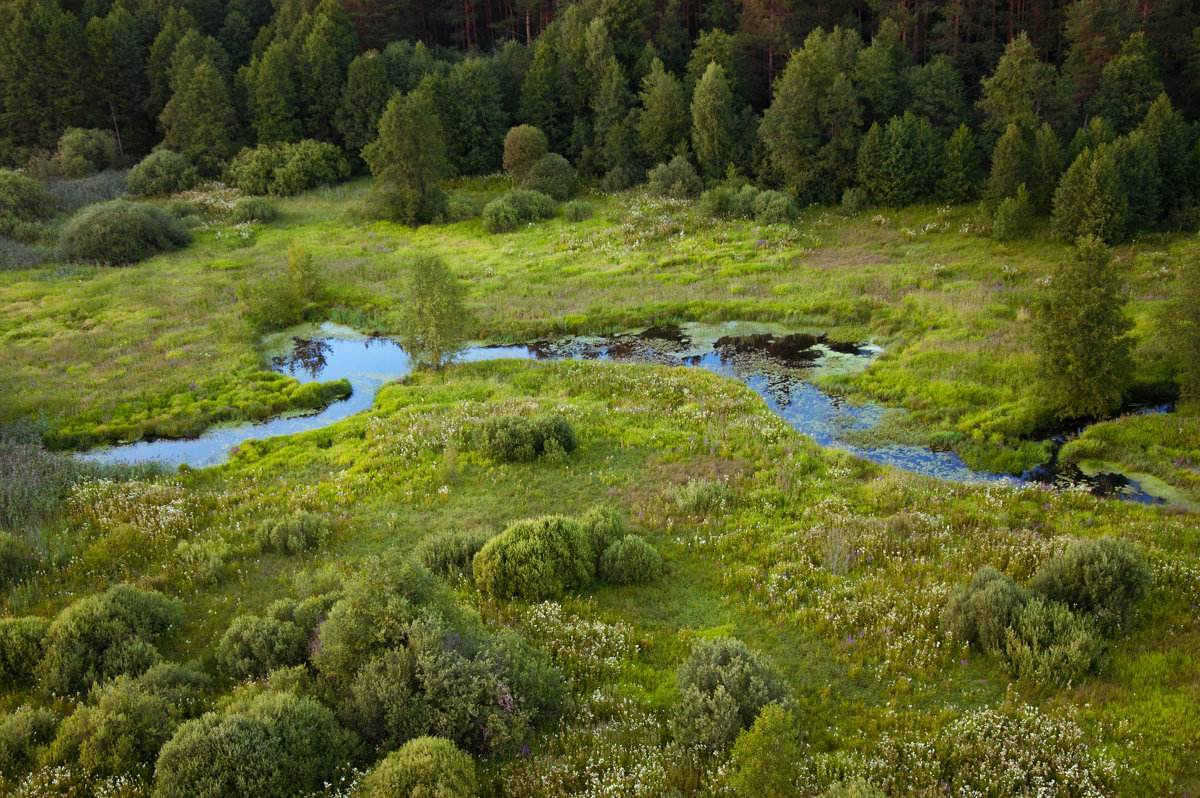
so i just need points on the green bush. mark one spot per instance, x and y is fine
(306, 614)
(103, 636)
(524, 146)
(83, 152)
(252, 646)
(160, 173)
(17, 559)
(120, 232)
(22, 645)
(1050, 644)
(1104, 578)
(23, 204)
(294, 533)
(460, 208)
(551, 175)
(629, 561)
(22, 734)
(603, 527)
(427, 767)
(981, 612)
(252, 209)
(283, 169)
(619, 178)
(181, 209)
(774, 207)
(578, 211)
(714, 202)
(288, 296)
(853, 788)
(536, 559)
(499, 217)
(1013, 217)
(722, 686)
(676, 179)
(530, 205)
(277, 746)
(451, 553)
(514, 439)
(768, 758)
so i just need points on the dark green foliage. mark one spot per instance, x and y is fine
(17, 559)
(676, 179)
(960, 167)
(1103, 578)
(981, 612)
(578, 211)
(879, 71)
(1082, 335)
(23, 203)
(514, 439)
(1012, 165)
(252, 646)
(425, 767)
(83, 152)
(1048, 643)
(160, 173)
(1128, 86)
(551, 175)
(630, 561)
(1091, 200)
(252, 209)
(272, 98)
(603, 527)
(473, 119)
(103, 636)
(460, 208)
(285, 169)
(364, 97)
(524, 146)
(723, 686)
(1023, 90)
(519, 206)
(937, 93)
(277, 746)
(1170, 136)
(1013, 216)
(433, 320)
(448, 554)
(713, 120)
(748, 202)
(499, 216)
(125, 722)
(199, 120)
(909, 169)
(664, 122)
(22, 644)
(22, 734)
(1140, 175)
(120, 232)
(1046, 170)
(536, 559)
(294, 533)
(408, 160)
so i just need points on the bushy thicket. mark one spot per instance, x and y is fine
(284, 169)
(515, 439)
(551, 175)
(22, 645)
(578, 211)
(294, 533)
(252, 209)
(254, 646)
(82, 152)
(23, 734)
(524, 145)
(1105, 578)
(723, 686)
(452, 552)
(749, 202)
(676, 179)
(536, 559)
(103, 636)
(516, 207)
(427, 767)
(603, 527)
(630, 560)
(23, 203)
(287, 296)
(119, 232)
(460, 208)
(160, 173)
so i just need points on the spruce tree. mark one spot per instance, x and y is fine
(871, 160)
(1129, 84)
(1137, 166)
(176, 23)
(271, 95)
(879, 74)
(1022, 90)
(473, 119)
(713, 119)
(199, 119)
(1046, 168)
(1090, 200)
(614, 134)
(936, 91)
(364, 97)
(1012, 165)
(408, 160)
(1169, 135)
(541, 101)
(663, 123)
(910, 168)
(960, 167)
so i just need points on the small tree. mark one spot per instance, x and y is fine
(1082, 340)
(523, 147)
(713, 121)
(960, 167)
(433, 320)
(408, 160)
(1091, 200)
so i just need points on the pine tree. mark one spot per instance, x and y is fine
(713, 119)
(1012, 165)
(176, 23)
(1082, 338)
(663, 123)
(272, 97)
(614, 134)
(365, 96)
(910, 165)
(879, 74)
(1090, 200)
(1046, 168)
(199, 119)
(408, 160)
(1128, 86)
(118, 59)
(1168, 134)
(960, 167)
(1023, 90)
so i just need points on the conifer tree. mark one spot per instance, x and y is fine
(872, 155)
(1168, 134)
(1012, 165)
(614, 133)
(1129, 84)
(960, 167)
(365, 96)
(910, 165)
(663, 123)
(541, 101)
(271, 95)
(713, 119)
(1090, 200)
(879, 74)
(1137, 166)
(199, 119)
(936, 91)
(176, 23)
(408, 160)
(473, 119)
(1046, 168)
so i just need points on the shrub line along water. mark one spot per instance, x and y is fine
(778, 364)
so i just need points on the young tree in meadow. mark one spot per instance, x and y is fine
(713, 120)
(960, 167)
(408, 160)
(1090, 200)
(1012, 165)
(1082, 335)
(663, 123)
(433, 319)
(1046, 168)
(199, 119)
(364, 97)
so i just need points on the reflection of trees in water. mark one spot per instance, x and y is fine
(308, 356)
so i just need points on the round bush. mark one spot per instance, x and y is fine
(287, 168)
(121, 232)
(499, 217)
(577, 211)
(530, 205)
(160, 173)
(514, 439)
(981, 612)
(617, 179)
(22, 644)
(84, 152)
(427, 767)
(293, 534)
(714, 202)
(551, 175)
(21, 734)
(252, 209)
(630, 560)
(535, 559)
(22, 201)
(524, 146)
(676, 179)
(1104, 578)
(774, 207)
(252, 647)
(603, 527)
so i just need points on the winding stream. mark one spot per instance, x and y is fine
(776, 363)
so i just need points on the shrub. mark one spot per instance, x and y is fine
(535, 559)
(578, 211)
(774, 207)
(499, 217)
(22, 733)
(524, 146)
(603, 527)
(22, 644)
(630, 560)
(160, 173)
(283, 169)
(120, 232)
(767, 759)
(286, 297)
(451, 553)
(105, 635)
(293, 534)
(252, 646)
(427, 767)
(1104, 578)
(1048, 643)
(723, 686)
(74, 193)
(306, 614)
(981, 613)
(551, 175)
(854, 788)
(530, 205)
(84, 152)
(854, 200)
(714, 202)
(181, 209)
(252, 209)
(17, 559)
(513, 439)
(277, 746)
(460, 208)
(617, 179)
(16, 255)
(677, 179)
(23, 202)
(1013, 216)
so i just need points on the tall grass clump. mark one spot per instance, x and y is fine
(120, 232)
